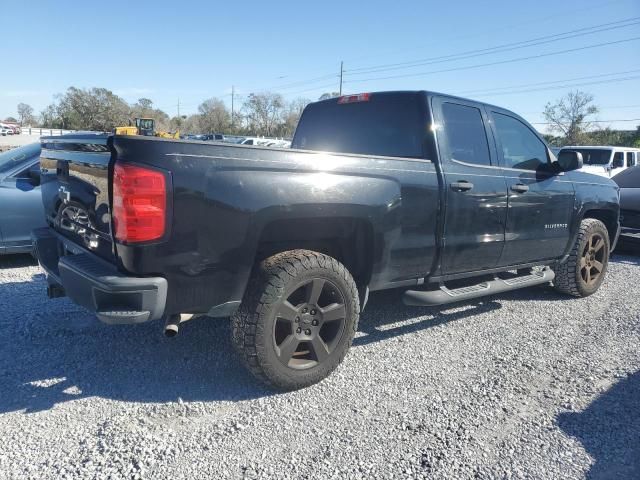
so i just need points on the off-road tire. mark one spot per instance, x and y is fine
(570, 275)
(274, 282)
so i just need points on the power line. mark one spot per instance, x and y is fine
(593, 121)
(501, 89)
(557, 87)
(502, 27)
(500, 62)
(459, 56)
(497, 49)
(314, 89)
(300, 83)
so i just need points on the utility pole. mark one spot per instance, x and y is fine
(232, 95)
(341, 71)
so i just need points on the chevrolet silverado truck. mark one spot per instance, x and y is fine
(447, 198)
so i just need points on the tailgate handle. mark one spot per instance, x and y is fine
(520, 188)
(461, 186)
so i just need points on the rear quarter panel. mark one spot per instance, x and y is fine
(225, 196)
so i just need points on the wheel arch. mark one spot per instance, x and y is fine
(350, 240)
(608, 217)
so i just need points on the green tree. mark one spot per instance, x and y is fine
(144, 108)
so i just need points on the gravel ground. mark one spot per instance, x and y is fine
(528, 384)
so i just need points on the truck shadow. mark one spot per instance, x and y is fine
(608, 429)
(52, 351)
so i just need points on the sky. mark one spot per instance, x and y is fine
(518, 55)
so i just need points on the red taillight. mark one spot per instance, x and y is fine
(360, 97)
(139, 203)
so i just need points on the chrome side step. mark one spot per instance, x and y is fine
(445, 295)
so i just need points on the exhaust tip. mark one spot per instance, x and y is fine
(171, 330)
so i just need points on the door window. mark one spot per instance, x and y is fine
(618, 159)
(630, 160)
(465, 134)
(521, 148)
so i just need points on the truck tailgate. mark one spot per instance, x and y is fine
(75, 189)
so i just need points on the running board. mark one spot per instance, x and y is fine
(444, 295)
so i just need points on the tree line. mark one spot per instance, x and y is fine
(570, 119)
(99, 109)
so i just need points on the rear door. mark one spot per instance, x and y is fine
(475, 189)
(541, 203)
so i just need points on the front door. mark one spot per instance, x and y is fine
(476, 193)
(541, 202)
(22, 210)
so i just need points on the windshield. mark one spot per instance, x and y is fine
(385, 124)
(593, 156)
(16, 156)
(145, 123)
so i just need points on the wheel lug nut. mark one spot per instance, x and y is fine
(304, 310)
(314, 322)
(313, 311)
(307, 332)
(297, 319)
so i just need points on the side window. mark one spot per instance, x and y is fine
(630, 161)
(465, 134)
(521, 148)
(618, 159)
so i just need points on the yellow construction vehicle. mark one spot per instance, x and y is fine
(146, 127)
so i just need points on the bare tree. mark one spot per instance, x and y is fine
(292, 116)
(25, 114)
(263, 112)
(569, 115)
(328, 95)
(213, 116)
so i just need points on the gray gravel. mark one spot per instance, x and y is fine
(529, 384)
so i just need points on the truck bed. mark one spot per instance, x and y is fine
(228, 201)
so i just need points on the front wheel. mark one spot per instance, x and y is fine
(583, 272)
(297, 319)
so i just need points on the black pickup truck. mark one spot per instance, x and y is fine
(447, 198)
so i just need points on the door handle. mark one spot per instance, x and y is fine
(461, 186)
(520, 188)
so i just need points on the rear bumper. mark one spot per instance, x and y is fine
(97, 285)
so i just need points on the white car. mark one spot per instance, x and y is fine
(4, 131)
(606, 161)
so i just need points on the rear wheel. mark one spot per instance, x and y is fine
(582, 274)
(297, 320)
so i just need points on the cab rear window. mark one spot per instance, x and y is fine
(391, 125)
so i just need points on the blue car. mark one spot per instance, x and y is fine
(20, 202)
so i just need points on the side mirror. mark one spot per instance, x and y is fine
(569, 160)
(618, 162)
